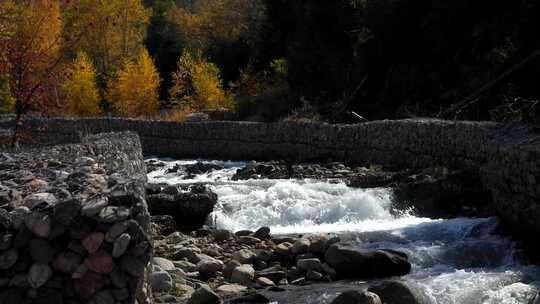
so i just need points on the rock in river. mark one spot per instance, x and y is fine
(350, 262)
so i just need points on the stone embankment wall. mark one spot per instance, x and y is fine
(505, 156)
(74, 223)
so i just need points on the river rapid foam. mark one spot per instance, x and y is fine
(455, 261)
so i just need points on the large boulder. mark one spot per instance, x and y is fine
(399, 292)
(350, 262)
(357, 297)
(189, 209)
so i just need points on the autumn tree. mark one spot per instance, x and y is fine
(80, 90)
(197, 84)
(112, 31)
(135, 89)
(226, 31)
(30, 43)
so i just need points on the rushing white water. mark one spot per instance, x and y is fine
(455, 261)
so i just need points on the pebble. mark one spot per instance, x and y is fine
(231, 289)
(33, 200)
(204, 295)
(161, 281)
(243, 274)
(244, 256)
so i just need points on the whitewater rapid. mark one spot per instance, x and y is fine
(455, 261)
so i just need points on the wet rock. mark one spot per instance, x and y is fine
(243, 233)
(39, 274)
(221, 235)
(230, 289)
(357, 297)
(244, 256)
(186, 266)
(248, 240)
(161, 281)
(243, 274)
(204, 295)
(164, 264)
(399, 292)
(254, 298)
(312, 264)
(300, 246)
(189, 253)
(208, 266)
(189, 209)
(200, 168)
(313, 275)
(317, 244)
(264, 282)
(262, 233)
(231, 265)
(165, 224)
(132, 265)
(284, 248)
(350, 262)
(275, 274)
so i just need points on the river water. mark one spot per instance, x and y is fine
(455, 261)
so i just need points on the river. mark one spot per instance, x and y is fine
(455, 261)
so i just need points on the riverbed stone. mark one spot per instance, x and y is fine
(300, 246)
(243, 274)
(399, 292)
(312, 264)
(230, 289)
(204, 295)
(244, 256)
(357, 297)
(262, 233)
(208, 266)
(161, 281)
(350, 262)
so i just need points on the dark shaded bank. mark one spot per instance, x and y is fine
(504, 156)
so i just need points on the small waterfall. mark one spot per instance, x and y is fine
(455, 261)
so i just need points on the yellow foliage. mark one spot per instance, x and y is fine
(109, 31)
(197, 85)
(208, 22)
(30, 42)
(80, 90)
(134, 91)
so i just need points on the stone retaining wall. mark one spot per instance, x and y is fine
(74, 223)
(505, 156)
